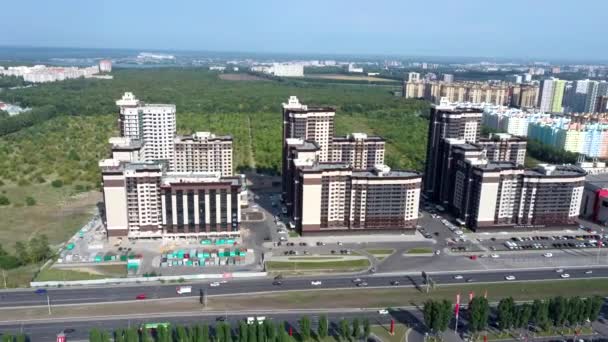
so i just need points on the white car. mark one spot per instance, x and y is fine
(565, 275)
(214, 284)
(589, 272)
(458, 277)
(548, 255)
(510, 277)
(559, 270)
(459, 232)
(383, 312)
(494, 256)
(316, 283)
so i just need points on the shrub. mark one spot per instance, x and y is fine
(30, 201)
(57, 183)
(4, 200)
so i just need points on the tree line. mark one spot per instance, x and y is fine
(266, 331)
(36, 250)
(541, 313)
(550, 154)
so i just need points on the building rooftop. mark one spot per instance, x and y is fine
(495, 166)
(358, 136)
(113, 165)
(383, 171)
(122, 143)
(501, 136)
(172, 178)
(597, 182)
(302, 145)
(201, 136)
(556, 170)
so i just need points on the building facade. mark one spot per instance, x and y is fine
(332, 198)
(203, 152)
(358, 150)
(144, 201)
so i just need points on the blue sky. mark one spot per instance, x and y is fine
(564, 29)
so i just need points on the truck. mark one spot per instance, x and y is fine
(184, 289)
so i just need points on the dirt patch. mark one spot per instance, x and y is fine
(241, 77)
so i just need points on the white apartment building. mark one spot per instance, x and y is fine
(413, 77)
(203, 152)
(154, 124)
(358, 150)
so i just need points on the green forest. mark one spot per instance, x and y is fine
(66, 133)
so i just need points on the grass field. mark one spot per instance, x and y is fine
(420, 250)
(350, 78)
(383, 333)
(82, 273)
(58, 212)
(346, 265)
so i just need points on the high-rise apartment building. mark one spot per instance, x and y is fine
(595, 90)
(546, 95)
(153, 124)
(347, 189)
(306, 123)
(501, 195)
(413, 77)
(504, 147)
(332, 198)
(475, 92)
(524, 96)
(203, 151)
(447, 122)
(358, 150)
(483, 183)
(448, 78)
(552, 95)
(143, 200)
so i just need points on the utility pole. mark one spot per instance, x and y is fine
(4, 276)
(48, 302)
(599, 247)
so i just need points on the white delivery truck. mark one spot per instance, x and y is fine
(184, 289)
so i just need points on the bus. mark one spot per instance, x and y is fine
(155, 326)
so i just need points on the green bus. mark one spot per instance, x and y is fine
(155, 325)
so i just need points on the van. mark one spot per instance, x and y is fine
(250, 320)
(184, 289)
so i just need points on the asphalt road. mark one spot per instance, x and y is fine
(83, 295)
(48, 331)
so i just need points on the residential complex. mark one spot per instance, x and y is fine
(281, 69)
(483, 183)
(474, 92)
(44, 74)
(340, 184)
(159, 185)
(595, 198)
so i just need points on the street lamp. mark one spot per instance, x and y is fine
(48, 299)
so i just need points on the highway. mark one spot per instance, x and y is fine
(116, 293)
(79, 331)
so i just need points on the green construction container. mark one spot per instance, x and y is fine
(98, 258)
(131, 256)
(205, 242)
(200, 255)
(132, 266)
(70, 246)
(206, 255)
(219, 242)
(81, 234)
(107, 258)
(242, 254)
(174, 263)
(180, 254)
(123, 258)
(232, 253)
(189, 263)
(230, 242)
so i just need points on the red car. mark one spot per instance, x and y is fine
(141, 296)
(473, 257)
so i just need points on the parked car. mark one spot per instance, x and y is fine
(316, 283)
(510, 277)
(141, 296)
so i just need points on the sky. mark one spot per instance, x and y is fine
(564, 29)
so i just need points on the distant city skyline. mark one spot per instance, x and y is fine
(469, 28)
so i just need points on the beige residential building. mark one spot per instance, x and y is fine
(144, 201)
(358, 150)
(332, 198)
(203, 152)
